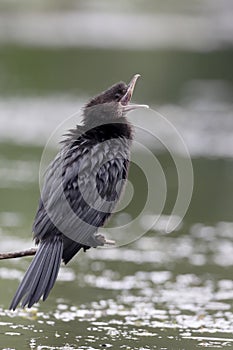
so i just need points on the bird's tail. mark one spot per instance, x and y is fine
(41, 274)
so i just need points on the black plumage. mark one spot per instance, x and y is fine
(82, 187)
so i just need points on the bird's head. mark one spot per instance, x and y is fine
(113, 103)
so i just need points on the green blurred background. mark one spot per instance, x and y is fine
(163, 291)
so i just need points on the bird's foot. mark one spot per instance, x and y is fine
(100, 240)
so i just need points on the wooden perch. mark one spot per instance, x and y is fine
(20, 254)
(32, 251)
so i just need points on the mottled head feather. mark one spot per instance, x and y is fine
(113, 94)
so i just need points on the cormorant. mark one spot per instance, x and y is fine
(81, 188)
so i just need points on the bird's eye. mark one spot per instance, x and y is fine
(117, 95)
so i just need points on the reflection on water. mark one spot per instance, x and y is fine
(109, 299)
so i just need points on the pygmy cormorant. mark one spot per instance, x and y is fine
(81, 188)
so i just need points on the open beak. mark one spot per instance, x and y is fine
(125, 101)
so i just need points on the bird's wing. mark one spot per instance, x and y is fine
(81, 189)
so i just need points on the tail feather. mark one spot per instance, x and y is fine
(26, 280)
(45, 278)
(54, 273)
(36, 286)
(41, 274)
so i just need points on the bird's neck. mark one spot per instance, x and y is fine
(114, 128)
(96, 132)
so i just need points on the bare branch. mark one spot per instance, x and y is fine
(32, 251)
(109, 242)
(20, 254)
